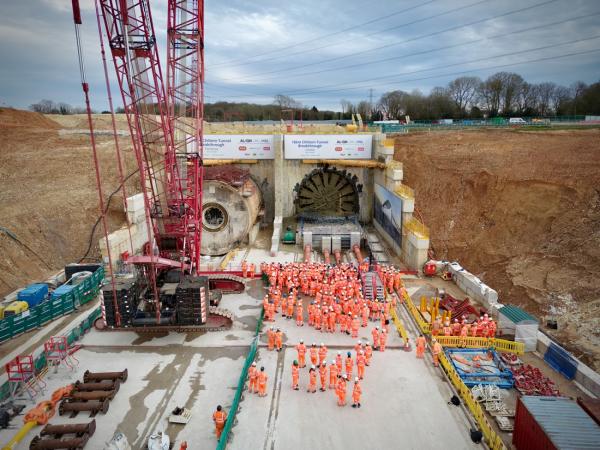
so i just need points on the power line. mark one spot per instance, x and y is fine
(549, 58)
(393, 44)
(446, 47)
(318, 38)
(545, 47)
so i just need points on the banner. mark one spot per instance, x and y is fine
(238, 146)
(328, 146)
(388, 212)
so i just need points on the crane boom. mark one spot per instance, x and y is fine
(185, 103)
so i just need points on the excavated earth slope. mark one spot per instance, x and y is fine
(48, 195)
(521, 210)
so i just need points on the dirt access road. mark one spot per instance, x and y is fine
(521, 210)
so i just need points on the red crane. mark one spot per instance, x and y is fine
(165, 125)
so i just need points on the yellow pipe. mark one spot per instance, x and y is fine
(20, 435)
(347, 162)
(223, 162)
(227, 258)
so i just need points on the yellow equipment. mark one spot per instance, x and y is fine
(15, 308)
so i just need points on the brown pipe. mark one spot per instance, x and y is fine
(347, 162)
(338, 257)
(326, 257)
(71, 428)
(357, 253)
(71, 443)
(307, 252)
(94, 406)
(100, 386)
(102, 376)
(93, 395)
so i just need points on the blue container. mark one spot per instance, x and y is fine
(34, 294)
(61, 290)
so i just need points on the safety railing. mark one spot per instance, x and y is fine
(399, 326)
(40, 361)
(502, 345)
(416, 227)
(492, 439)
(424, 326)
(222, 443)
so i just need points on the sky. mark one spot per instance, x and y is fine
(316, 51)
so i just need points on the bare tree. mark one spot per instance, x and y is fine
(577, 89)
(364, 109)
(286, 102)
(543, 94)
(561, 97)
(462, 92)
(511, 84)
(490, 94)
(393, 104)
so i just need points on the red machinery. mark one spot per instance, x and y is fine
(165, 125)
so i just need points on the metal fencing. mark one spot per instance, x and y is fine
(222, 444)
(51, 309)
(40, 362)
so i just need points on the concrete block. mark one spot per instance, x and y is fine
(394, 173)
(307, 238)
(326, 243)
(336, 243)
(418, 242)
(354, 238)
(278, 220)
(136, 216)
(135, 202)
(392, 185)
(408, 205)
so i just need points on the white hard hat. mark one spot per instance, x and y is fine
(339, 353)
(254, 363)
(313, 367)
(322, 345)
(332, 361)
(358, 342)
(356, 380)
(301, 341)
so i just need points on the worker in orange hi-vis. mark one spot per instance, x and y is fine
(435, 351)
(253, 378)
(368, 353)
(360, 364)
(340, 390)
(456, 328)
(436, 326)
(278, 340)
(382, 340)
(375, 335)
(447, 329)
(219, 418)
(333, 373)
(355, 326)
(295, 376)
(331, 320)
(317, 317)
(244, 268)
(464, 332)
(356, 391)
(314, 356)
(252, 270)
(421, 342)
(301, 348)
(323, 375)
(271, 338)
(349, 365)
(338, 362)
(364, 315)
(492, 329)
(284, 304)
(358, 346)
(322, 353)
(312, 380)
(262, 383)
(299, 313)
(271, 315)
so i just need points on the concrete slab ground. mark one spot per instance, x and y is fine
(404, 399)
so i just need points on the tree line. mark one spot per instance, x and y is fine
(501, 94)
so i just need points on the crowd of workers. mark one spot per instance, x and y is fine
(485, 326)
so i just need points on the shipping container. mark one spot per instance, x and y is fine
(34, 294)
(61, 290)
(553, 423)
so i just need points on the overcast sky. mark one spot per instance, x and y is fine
(317, 51)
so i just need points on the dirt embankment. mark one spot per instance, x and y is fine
(48, 195)
(522, 211)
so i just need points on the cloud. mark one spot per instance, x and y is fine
(255, 50)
